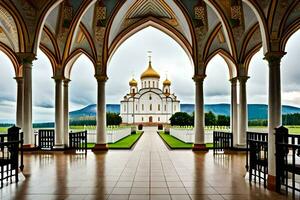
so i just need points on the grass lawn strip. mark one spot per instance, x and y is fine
(173, 142)
(125, 143)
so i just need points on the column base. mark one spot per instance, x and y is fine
(100, 147)
(200, 147)
(29, 147)
(271, 182)
(59, 147)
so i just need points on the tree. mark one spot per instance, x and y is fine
(223, 120)
(113, 119)
(182, 119)
(210, 119)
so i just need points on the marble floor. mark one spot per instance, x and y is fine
(149, 171)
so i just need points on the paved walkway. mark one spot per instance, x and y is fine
(150, 171)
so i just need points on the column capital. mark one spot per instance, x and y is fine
(199, 78)
(19, 79)
(101, 78)
(58, 78)
(274, 57)
(243, 79)
(26, 58)
(66, 82)
(233, 80)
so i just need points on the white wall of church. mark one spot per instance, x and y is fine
(150, 83)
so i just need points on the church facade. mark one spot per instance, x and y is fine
(150, 104)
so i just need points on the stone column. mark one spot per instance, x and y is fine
(199, 114)
(242, 111)
(19, 110)
(101, 114)
(234, 111)
(59, 137)
(274, 115)
(26, 60)
(66, 110)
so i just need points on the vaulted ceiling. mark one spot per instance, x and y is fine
(235, 29)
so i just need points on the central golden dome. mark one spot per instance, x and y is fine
(150, 72)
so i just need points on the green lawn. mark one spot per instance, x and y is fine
(125, 143)
(3, 129)
(173, 142)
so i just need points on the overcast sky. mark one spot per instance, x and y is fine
(168, 58)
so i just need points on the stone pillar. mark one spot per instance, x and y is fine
(59, 137)
(101, 115)
(234, 111)
(26, 60)
(199, 114)
(274, 115)
(242, 111)
(19, 110)
(66, 110)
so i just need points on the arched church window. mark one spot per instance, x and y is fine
(136, 107)
(153, 84)
(142, 119)
(133, 90)
(158, 107)
(157, 84)
(158, 119)
(165, 107)
(142, 85)
(124, 108)
(150, 107)
(149, 84)
(142, 107)
(150, 97)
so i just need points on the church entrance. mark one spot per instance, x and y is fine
(150, 119)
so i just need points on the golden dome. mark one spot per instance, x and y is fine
(167, 82)
(150, 72)
(133, 82)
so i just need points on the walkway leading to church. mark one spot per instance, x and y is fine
(150, 171)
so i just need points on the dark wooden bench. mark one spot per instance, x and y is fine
(78, 141)
(46, 139)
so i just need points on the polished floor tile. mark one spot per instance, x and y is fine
(149, 171)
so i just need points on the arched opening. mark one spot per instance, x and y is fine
(257, 94)
(217, 97)
(82, 94)
(168, 59)
(43, 90)
(8, 88)
(290, 84)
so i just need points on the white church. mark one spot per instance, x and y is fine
(150, 104)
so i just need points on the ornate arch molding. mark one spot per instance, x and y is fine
(13, 58)
(107, 49)
(210, 40)
(226, 27)
(246, 41)
(146, 22)
(232, 67)
(262, 24)
(69, 62)
(250, 55)
(90, 40)
(42, 19)
(293, 28)
(23, 34)
(54, 42)
(50, 56)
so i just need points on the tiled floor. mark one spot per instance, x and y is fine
(150, 171)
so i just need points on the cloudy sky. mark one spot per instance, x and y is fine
(130, 60)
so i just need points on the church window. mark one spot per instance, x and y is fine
(150, 107)
(158, 118)
(153, 84)
(158, 107)
(136, 107)
(174, 107)
(157, 84)
(142, 85)
(124, 108)
(142, 119)
(133, 90)
(150, 97)
(142, 107)
(165, 107)
(149, 84)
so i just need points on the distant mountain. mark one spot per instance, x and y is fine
(255, 111)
